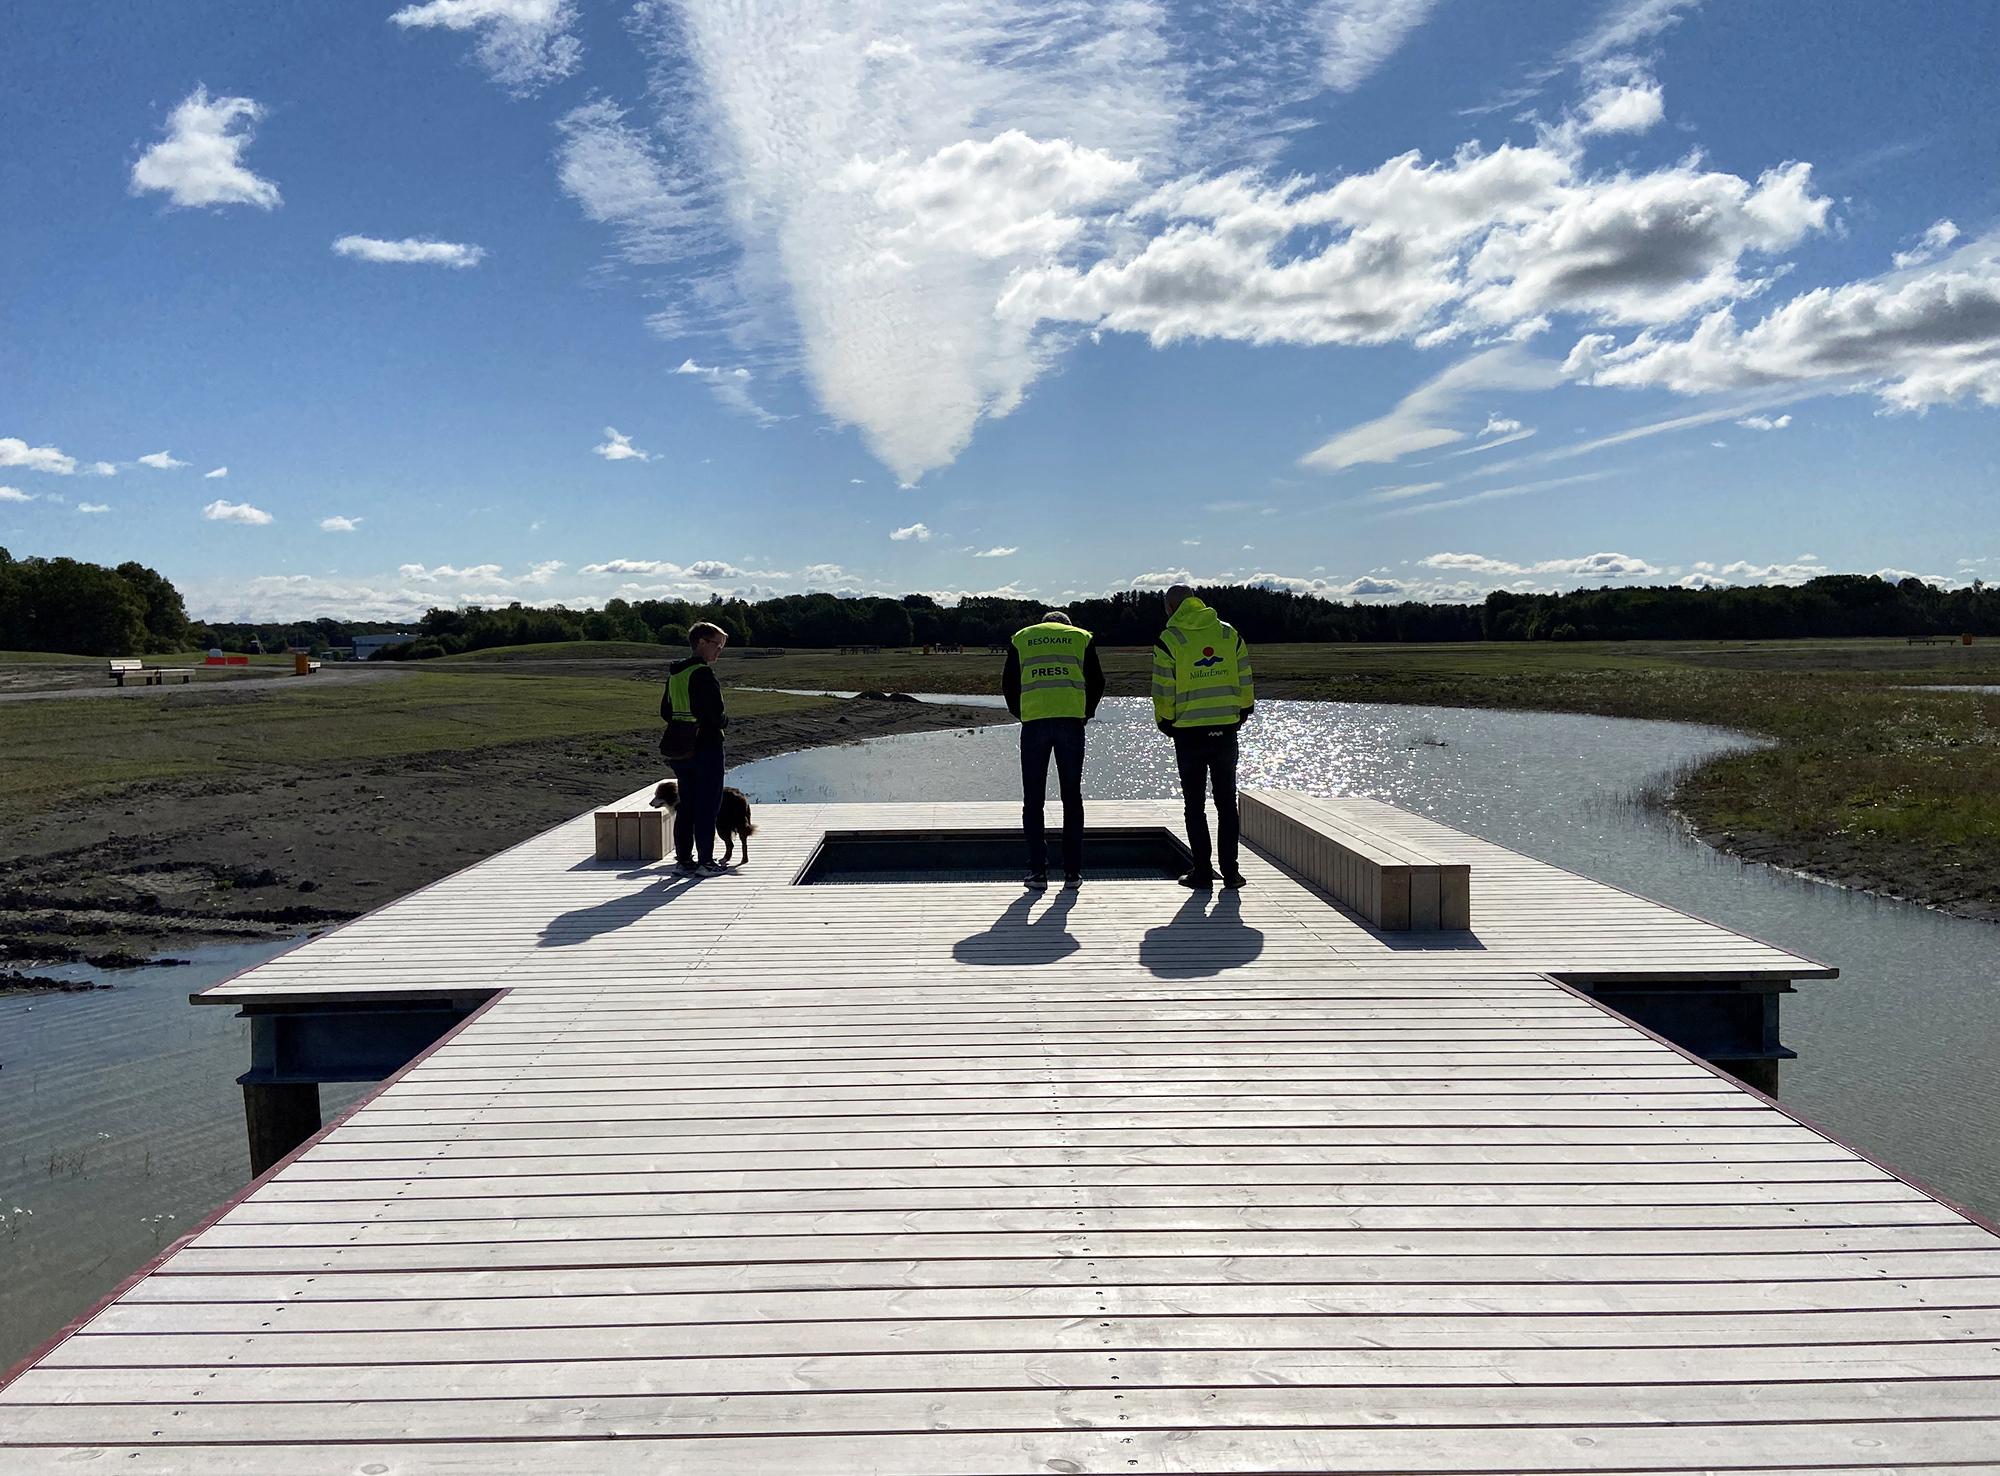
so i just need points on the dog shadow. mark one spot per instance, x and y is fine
(609, 916)
(1016, 938)
(1200, 942)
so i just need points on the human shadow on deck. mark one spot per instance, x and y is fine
(586, 923)
(1199, 942)
(1016, 939)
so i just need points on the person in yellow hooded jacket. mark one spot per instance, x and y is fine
(1202, 694)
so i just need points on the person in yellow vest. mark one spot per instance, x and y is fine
(696, 721)
(1201, 695)
(1053, 682)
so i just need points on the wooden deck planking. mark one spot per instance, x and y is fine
(750, 1177)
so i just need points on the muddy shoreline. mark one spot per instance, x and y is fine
(174, 864)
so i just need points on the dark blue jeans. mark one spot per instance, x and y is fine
(701, 797)
(1062, 737)
(1206, 758)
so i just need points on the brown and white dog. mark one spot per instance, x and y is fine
(732, 821)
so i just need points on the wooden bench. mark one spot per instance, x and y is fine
(1392, 883)
(120, 667)
(156, 676)
(634, 836)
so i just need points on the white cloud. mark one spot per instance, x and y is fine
(1361, 35)
(200, 161)
(1499, 425)
(412, 251)
(1398, 494)
(996, 553)
(15, 494)
(220, 471)
(339, 525)
(1918, 339)
(915, 531)
(100, 469)
(1589, 566)
(619, 448)
(619, 178)
(523, 44)
(16, 452)
(1428, 251)
(236, 512)
(1798, 571)
(161, 461)
(93, 507)
(732, 387)
(1940, 235)
(1415, 424)
(1764, 422)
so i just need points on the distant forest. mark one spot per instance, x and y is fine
(87, 609)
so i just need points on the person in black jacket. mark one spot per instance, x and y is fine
(696, 720)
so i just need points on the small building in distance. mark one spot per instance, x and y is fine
(367, 646)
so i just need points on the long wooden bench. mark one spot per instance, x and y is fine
(120, 667)
(1395, 885)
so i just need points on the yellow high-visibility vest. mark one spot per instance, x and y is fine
(1201, 670)
(1051, 670)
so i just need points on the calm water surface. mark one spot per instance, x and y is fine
(1898, 1055)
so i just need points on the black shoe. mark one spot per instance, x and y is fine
(1201, 879)
(1233, 881)
(1036, 881)
(1072, 881)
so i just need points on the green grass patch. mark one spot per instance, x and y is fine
(57, 752)
(572, 651)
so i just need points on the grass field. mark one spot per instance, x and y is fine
(57, 752)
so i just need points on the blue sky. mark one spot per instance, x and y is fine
(354, 309)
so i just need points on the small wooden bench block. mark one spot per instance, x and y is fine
(1395, 885)
(631, 836)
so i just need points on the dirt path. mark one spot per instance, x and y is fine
(196, 861)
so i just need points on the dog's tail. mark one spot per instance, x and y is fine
(749, 829)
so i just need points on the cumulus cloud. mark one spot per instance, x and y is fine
(16, 452)
(1589, 566)
(1921, 338)
(1764, 422)
(236, 512)
(220, 471)
(732, 387)
(160, 461)
(93, 507)
(996, 553)
(1361, 35)
(617, 447)
(1708, 576)
(916, 531)
(411, 251)
(15, 494)
(523, 44)
(1937, 238)
(200, 161)
(339, 525)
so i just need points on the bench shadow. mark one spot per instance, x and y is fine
(609, 916)
(1015, 938)
(1201, 941)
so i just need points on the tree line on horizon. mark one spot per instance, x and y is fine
(66, 605)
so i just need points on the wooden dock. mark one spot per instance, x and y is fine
(943, 1180)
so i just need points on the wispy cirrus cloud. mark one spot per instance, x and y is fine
(523, 44)
(200, 161)
(732, 387)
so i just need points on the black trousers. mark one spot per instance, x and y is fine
(1062, 737)
(1207, 759)
(701, 798)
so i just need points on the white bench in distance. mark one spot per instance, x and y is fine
(120, 667)
(1392, 883)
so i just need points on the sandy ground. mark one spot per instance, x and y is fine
(202, 861)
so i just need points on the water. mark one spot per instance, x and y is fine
(1897, 1056)
(121, 1126)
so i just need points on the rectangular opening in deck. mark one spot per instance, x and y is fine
(902, 857)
